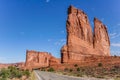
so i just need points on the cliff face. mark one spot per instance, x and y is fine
(80, 39)
(36, 59)
(101, 38)
(78, 25)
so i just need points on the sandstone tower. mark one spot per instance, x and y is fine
(81, 41)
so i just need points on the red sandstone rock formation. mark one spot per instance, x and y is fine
(78, 25)
(80, 40)
(92, 61)
(101, 38)
(39, 59)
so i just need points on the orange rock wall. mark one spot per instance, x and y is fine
(81, 41)
(36, 59)
(91, 61)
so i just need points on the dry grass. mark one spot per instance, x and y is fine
(32, 76)
(97, 72)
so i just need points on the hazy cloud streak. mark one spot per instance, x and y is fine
(114, 35)
(115, 44)
(47, 1)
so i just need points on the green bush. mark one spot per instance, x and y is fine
(12, 72)
(79, 75)
(71, 70)
(4, 73)
(51, 70)
(26, 72)
(66, 69)
(75, 65)
(42, 69)
(3, 79)
(78, 69)
(19, 75)
(99, 64)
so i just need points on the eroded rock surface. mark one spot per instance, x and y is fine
(81, 41)
(101, 38)
(36, 59)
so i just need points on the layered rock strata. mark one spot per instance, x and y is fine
(80, 39)
(36, 60)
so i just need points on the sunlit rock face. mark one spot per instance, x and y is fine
(101, 38)
(80, 39)
(36, 59)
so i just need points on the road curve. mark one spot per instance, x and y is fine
(53, 76)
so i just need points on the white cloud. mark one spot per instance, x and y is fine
(62, 31)
(114, 35)
(102, 19)
(118, 24)
(63, 40)
(49, 40)
(47, 1)
(60, 42)
(115, 44)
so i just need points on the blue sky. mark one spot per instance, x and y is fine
(41, 25)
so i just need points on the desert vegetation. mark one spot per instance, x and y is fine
(12, 72)
(98, 72)
(51, 69)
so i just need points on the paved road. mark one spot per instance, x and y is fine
(53, 76)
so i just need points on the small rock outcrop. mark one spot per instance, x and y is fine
(80, 39)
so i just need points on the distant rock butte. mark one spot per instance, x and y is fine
(6, 65)
(36, 60)
(80, 39)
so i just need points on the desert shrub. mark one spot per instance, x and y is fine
(78, 69)
(82, 69)
(3, 78)
(12, 72)
(66, 69)
(115, 56)
(42, 69)
(18, 74)
(51, 70)
(26, 72)
(4, 73)
(75, 65)
(99, 64)
(117, 67)
(71, 70)
(79, 75)
(113, 69)
(100, 76)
